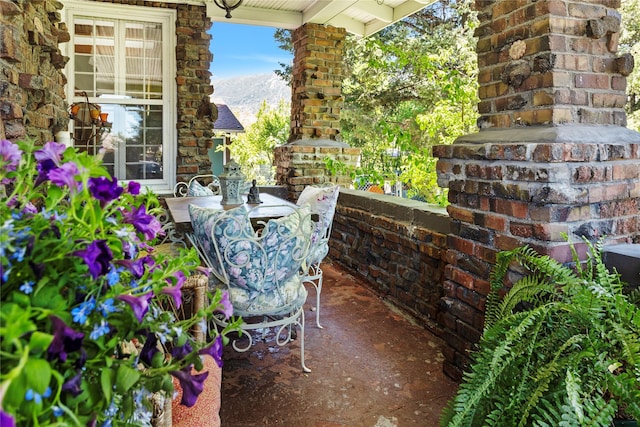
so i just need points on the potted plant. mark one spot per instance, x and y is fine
(561, 347)
(86, 338)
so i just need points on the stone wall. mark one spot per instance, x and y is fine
(32, 83)
(398, 247)
(32, 97)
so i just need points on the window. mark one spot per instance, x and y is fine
(127, 68)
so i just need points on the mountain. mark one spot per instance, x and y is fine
(244, 94)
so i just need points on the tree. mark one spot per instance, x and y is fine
(254, 149)
(409, 87)
(630, 43)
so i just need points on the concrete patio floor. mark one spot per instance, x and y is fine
(371, 367)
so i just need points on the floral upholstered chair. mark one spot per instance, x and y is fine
(260, 269)
(322, 202)
(199, 185)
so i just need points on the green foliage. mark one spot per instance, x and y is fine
(254, 149)
(84, 295)
(409, 87)
(560, 349)
(630, 43)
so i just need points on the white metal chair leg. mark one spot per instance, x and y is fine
(314, 276)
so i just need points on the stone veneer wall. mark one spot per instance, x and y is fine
(32, 97)
(398, 247)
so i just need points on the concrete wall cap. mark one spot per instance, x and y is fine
(594, 134)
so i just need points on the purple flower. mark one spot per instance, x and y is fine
(227, 307)
(44, 168)
(97, 256)
(104, 189)
(136, 267)
(50, 151)
(214, 350)
(143, 222)
(139, 305)
(192, 385)
(175, 292)
(182, 351)
(149, 349)
(73, 385)
(65, 340)
(133, 188)
(6, 420)
(10, 156)
(65, 175)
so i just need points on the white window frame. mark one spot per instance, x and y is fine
(164, 16)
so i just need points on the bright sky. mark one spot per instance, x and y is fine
(240, 50)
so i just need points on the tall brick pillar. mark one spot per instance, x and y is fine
(316, 101)
(552, 155)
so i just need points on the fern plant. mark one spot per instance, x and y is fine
(561, 348)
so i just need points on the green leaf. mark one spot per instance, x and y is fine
(126, 377)
(38, 374)
(106, 382)
(40, 341)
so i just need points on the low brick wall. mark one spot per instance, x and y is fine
(397, 246)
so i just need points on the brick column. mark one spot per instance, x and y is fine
(316, 85)
(316, 101)
(552, 156)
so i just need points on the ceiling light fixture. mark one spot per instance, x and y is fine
(224, 4)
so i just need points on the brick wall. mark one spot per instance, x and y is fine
(32, 97)
(398, 247)
(550, 62)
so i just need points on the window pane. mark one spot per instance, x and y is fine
(143, 60)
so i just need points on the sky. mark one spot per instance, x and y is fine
(240, 50)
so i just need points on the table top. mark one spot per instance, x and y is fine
(271, 207)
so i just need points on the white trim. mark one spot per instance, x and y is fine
(166, 17)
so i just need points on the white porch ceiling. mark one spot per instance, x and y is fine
(359, 17)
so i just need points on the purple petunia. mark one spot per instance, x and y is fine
(10, 156)
(50, 151)
(104, 189)
(97, 256)
(136, 267)
(192, 385)
(149, 349)
(6, 420)
(65, 340)
(180, 352)
(227, 307)
(214, 350)
(133, 188)
(139, 305)
(73, 384)
(143, 222)
(175, 292)
(65, 175)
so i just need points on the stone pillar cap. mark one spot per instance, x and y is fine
(319, 143)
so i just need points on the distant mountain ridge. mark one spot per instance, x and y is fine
(244, 94)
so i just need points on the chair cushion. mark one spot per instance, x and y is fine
(322, 201)
(235, 223)
(197, 189)
(282, 300)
